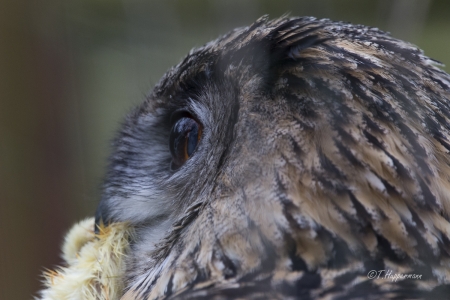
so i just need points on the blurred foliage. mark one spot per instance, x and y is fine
(69, 71)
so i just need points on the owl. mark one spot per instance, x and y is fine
(295, 158)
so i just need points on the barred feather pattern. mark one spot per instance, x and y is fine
(324, 155)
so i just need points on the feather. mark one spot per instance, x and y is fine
(95, 266)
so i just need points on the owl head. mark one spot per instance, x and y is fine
(287, 158)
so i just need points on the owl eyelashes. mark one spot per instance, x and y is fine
(184, 138)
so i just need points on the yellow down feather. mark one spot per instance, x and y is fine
(95, 263)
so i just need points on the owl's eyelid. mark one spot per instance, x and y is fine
(183, 113)
(176, 115)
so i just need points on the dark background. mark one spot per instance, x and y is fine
(70, 70)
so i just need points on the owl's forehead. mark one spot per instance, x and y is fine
(202, 64)
(226, 58)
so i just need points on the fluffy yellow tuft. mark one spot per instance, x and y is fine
(95, 263)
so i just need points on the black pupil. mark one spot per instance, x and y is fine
(183, 140)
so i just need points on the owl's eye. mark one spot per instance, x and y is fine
(184, 137)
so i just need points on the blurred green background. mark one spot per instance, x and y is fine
(70, 70)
